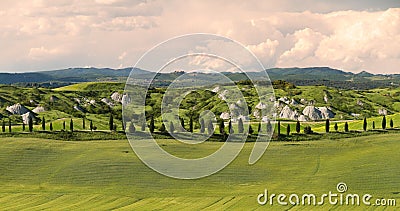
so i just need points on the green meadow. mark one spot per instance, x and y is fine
(39, 174)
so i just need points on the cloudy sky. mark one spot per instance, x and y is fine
(352, 35)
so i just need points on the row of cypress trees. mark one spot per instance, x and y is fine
(43, 124)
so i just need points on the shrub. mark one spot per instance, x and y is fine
(308, 130)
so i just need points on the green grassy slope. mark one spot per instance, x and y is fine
(103, 175)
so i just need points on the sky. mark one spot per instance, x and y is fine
(351, 35)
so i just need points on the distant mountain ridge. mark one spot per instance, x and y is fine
(298, 76)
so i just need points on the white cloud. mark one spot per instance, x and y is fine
(280, 33)
(42, 53)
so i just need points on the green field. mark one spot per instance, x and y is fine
(38, 174)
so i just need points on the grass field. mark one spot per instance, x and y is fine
(40, 174)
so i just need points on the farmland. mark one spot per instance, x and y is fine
(49, 174)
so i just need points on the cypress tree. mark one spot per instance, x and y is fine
(279, 128)
(64, 125)
(365, 124)
(231, 131)
(210, 128)
(23, 126)
(288, 130)
(9, 125)
(298, 126)
(91, 125)
(336, 127)
(251, 131)
(222, 127)
(391, 123)
(346, 127)
(111, 122)
(191, 124)
(30, 124)
(151, 127)
(384, 122)
(162, 128)
(183, 123)
(259, 128)
(327, 126)
(51, 126)
(71, 126)
(43, 123)
(83, 123)
(132, 128)
(240, 126)
(171, 127)
(269, 127)
(3, 127)
(373, 125)
(143, 128)
(202, 126)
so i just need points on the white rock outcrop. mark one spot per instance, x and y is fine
(225, 115)
(26, 116)
(116, 97)
(319, 113)
(17, 109)
(312, 113)
(107, 101)
(261, 106)
(39, 109)
(288, 113)
(303, 118)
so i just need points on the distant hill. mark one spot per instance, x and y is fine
(298, 76)
(70, 75)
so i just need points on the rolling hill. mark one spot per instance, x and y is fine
(298, 76)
